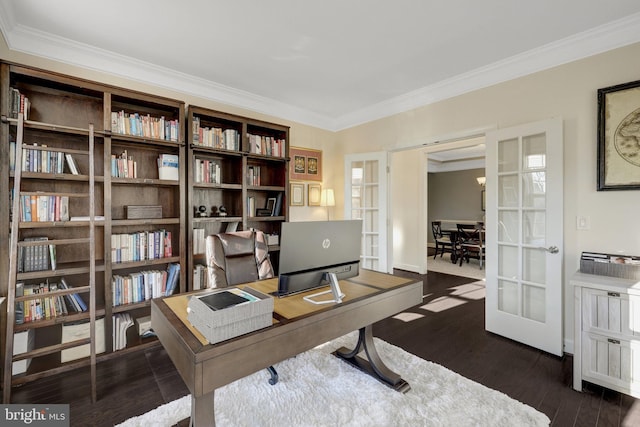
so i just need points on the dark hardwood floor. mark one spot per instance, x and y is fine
(453, 337)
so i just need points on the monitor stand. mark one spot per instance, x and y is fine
(335, 289)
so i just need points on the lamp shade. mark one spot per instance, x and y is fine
(481, 180)
(327, 197)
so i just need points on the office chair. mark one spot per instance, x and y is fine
(239, 257)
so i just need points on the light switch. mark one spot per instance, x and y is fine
(582, 223)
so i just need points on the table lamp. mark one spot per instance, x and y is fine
(327, 199)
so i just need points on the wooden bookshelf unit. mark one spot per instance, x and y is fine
(237, 163)
(91, 151)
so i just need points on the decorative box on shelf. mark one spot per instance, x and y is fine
(143, 212)
(22, 343)
(77, 331)
(226, 313)
(613, 265)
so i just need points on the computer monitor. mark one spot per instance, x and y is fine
(312, 251)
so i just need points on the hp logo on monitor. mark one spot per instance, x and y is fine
(326, 243)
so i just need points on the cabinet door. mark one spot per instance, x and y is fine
(610, 312)
(611, 362)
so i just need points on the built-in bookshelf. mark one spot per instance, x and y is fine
(237, 179)
(76, 211)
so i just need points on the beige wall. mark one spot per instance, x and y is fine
(568, 91)
(454, 196)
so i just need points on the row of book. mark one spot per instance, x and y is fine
(39, 208)
(141, 246)
(267, 145)
(144, 125)
(121, 322)
(144, 285)
(199, 239)
(46, 307)
(123, 166)
(18, 103)
(200, 277)
(36, 257)
(226, 139)
(207, 171)
(43, 161)
(253, 175)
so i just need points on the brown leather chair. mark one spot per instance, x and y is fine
(239, 257)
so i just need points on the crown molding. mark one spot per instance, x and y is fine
(600, 39)
(606, 37)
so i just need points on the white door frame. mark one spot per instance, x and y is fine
(424, 146)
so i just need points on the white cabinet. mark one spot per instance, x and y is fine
(607, 333)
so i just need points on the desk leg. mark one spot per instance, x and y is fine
(374, 366)
(202, 413)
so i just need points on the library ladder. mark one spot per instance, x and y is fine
(14, 275)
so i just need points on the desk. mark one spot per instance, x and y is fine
(297, 326)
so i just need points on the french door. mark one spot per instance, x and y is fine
(366, 199)
(524, 167)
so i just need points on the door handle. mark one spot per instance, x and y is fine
(550, 249)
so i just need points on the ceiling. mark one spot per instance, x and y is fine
(331, 64)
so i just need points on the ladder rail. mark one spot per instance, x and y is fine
(13, 265)
(14, 244)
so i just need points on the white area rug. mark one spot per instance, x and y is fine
(444, 265)
(318, 389)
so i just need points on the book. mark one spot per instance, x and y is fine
(173, 275)
(71, 163)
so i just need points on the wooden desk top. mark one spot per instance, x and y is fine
(294, 306)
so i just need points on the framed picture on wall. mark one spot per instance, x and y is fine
(297, 193)
(305, 164)
(619, 137)
(314, 192)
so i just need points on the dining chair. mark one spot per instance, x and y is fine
(443, 241)
(471, 243)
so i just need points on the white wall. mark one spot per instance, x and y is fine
(407, 189)
(568, 91)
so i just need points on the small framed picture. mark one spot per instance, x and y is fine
(297, 194)
(271, 205)
(314, 192)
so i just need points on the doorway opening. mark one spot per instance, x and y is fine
(455, 175)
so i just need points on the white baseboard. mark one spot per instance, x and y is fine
(567, 346)
(409, 267)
